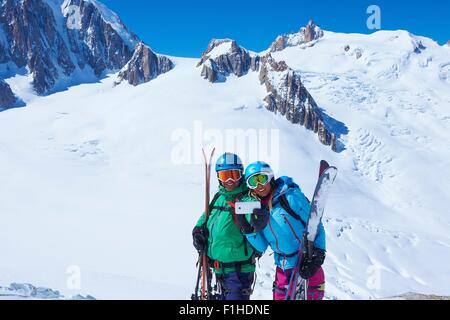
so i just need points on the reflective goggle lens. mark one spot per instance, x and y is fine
(261, 178)
(226, 175)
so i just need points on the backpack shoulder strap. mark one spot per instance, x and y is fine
(213, 201)
(286, 206)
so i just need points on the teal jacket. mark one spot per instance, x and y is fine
(284, 232)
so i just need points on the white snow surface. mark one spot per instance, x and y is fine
(221, 49)
(89, 181)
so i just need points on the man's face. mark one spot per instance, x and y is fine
(230, 185)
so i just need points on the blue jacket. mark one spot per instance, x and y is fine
(283, 232)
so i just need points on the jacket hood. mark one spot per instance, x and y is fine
(282, 185)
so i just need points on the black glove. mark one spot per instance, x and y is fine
(259, 219)
(244, 225)
(200, 236)
(310, 266)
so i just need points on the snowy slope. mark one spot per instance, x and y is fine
(91, 176)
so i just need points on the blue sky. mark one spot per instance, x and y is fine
(184, 28)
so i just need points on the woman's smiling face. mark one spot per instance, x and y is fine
(262, 190)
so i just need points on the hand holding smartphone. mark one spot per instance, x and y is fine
(247, 207)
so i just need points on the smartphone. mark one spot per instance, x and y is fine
(247, 207)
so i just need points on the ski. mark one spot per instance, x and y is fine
(203, 258)
(326, 179)
(327, 176)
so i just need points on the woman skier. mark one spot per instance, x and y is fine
(230, 255)
(280, 224)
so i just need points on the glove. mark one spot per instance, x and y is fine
(244, 225)
(200, 236)
(309, 266)
(259, 219)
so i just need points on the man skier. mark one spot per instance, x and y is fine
(280, 224)
(230, 255)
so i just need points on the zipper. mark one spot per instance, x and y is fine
(212, 228)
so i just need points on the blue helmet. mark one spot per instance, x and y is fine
(229, 161)
(258, 167)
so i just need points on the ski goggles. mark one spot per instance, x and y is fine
(259, 178)
(226, 175)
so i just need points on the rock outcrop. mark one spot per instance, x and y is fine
(288, 96)
(144, 66)
(7, 98)
(34, 42)
(224, 57)
(61, 39)
(100, 39)
(306, 35)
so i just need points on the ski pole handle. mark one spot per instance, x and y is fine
(309, 249)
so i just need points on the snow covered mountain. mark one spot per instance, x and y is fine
(285, 91)
(59, 43)
(106, 177)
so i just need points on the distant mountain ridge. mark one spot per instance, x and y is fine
(57, 40)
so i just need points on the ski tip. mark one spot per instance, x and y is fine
(324, 163)
(323, 166)
(205, 157)
(204, 154)
(212, 151)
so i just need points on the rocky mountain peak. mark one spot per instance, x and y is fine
(144, 66)
(311, 32)
(306, 36)
(224, 57)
